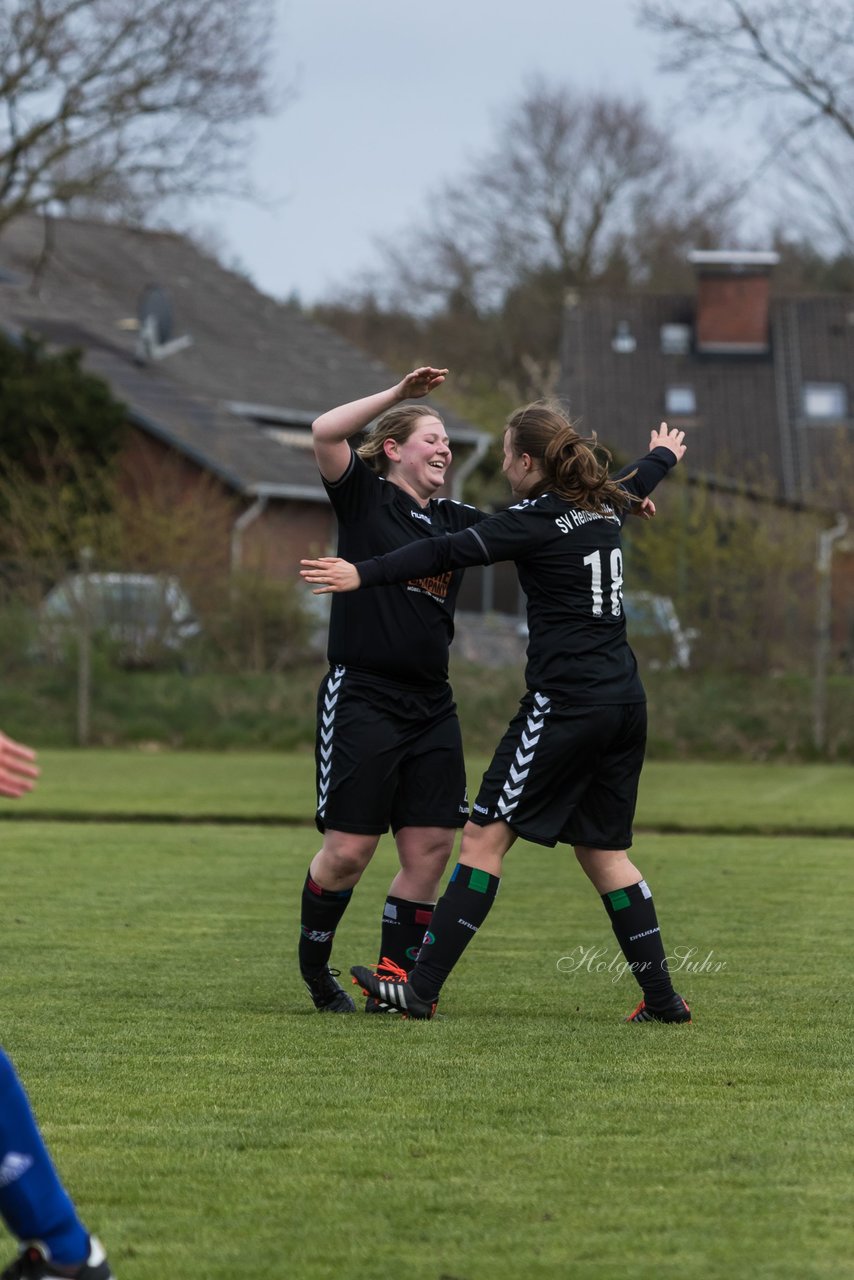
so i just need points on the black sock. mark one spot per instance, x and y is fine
(321, 911)
(459, 913)
(404, 925)
(635, 926)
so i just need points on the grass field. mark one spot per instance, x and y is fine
(269, 787)
(210, 1124)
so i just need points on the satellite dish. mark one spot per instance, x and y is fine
(154, 315)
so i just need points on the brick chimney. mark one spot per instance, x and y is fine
(732, 301)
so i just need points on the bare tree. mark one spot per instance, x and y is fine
(559, 190)
(118, 104)
(793, 57)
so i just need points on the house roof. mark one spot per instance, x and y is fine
(749, 424)
(248, 352)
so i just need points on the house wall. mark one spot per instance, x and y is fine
(202, 512)
(285, 533)
(842, 610)
(180, 513)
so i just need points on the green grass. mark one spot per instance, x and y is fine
(263, 787)
(698, 715)
(210, 1124)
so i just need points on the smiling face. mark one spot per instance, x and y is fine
(420, 462)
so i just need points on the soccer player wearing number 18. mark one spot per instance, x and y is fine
(568, 767)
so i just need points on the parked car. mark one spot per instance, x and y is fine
(146, 617)
(652, 617)
(655, 632)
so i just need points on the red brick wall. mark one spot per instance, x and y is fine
(285, 533)
(276, 542)
(732, 310)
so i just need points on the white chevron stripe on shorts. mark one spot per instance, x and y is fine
(327, 717)
(514, 784)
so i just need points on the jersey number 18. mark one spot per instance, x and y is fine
(616, 590)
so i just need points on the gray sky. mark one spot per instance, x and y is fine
(392, 98)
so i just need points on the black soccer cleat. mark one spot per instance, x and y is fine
(394, 991)
(373, 1005)
(676, 1011)
(328, 995)
(385, 969)
(33, 1264)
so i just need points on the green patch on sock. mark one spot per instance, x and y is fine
(479, 880)
(619, 899)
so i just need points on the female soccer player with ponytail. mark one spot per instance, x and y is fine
(568, 767)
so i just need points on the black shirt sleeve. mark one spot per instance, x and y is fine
(506, 535)
(648, 472)
(354, 493)
(424, 559)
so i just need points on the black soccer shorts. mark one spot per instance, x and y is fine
(566, 774)
(387, 755)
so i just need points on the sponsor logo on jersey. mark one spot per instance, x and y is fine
(421, 515)
(479, 808)
(437, 587)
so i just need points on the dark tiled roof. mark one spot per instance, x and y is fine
(749, 424)
(246, 347)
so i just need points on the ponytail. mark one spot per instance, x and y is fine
(573, 467)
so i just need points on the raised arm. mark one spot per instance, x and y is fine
(666, 448)
(664, 437)
(333, 429)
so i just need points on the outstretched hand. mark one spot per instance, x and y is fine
(420, 382)
(668, 438)
(331, 573)
(18, 771)
(643, 510)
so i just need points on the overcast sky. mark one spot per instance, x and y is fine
(392, 97)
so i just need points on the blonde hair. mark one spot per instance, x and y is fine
(574, 467)
(397, 425)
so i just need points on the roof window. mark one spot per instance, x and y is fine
(623, 342)
(675, 339)
(680, 402)
(825, 401)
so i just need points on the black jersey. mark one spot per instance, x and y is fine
(570, 566)
(402, 633)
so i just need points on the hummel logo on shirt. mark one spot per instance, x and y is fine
(420, 515)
